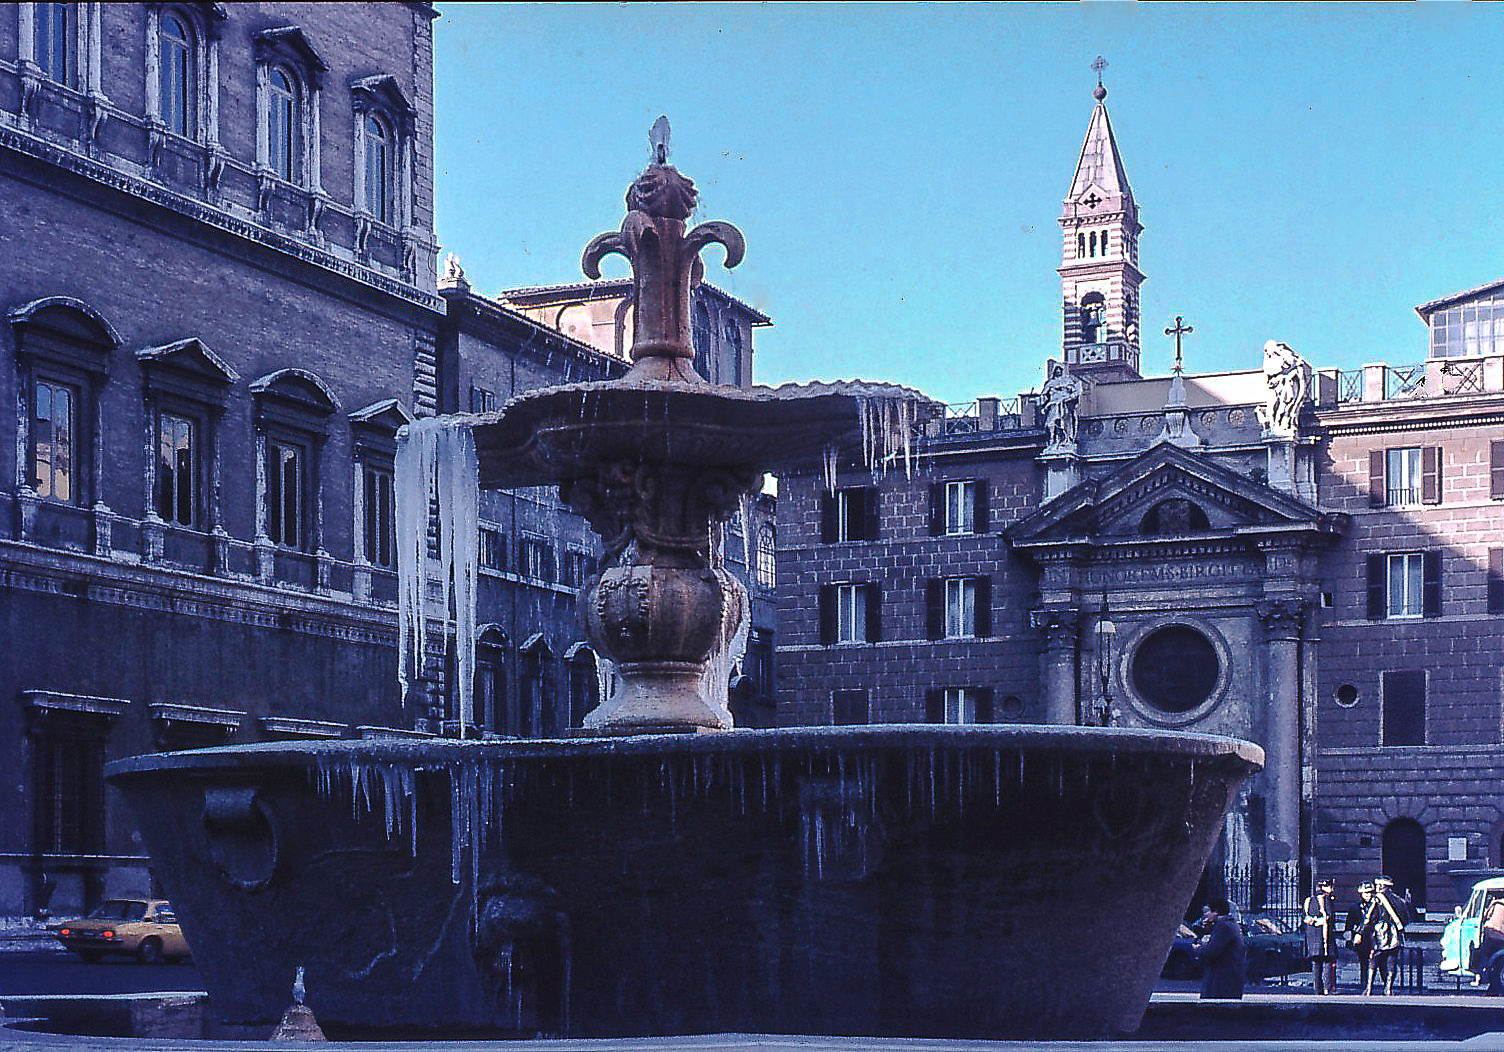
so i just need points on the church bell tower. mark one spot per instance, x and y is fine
(1099, 275)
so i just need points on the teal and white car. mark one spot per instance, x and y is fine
(1460, 937)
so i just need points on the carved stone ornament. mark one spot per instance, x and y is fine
(665, 262)
(1062, 400)
(1282, 618)
(1287, 377)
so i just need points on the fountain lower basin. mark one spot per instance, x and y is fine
(901, 880)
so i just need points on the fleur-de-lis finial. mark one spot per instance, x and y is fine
(665, 262)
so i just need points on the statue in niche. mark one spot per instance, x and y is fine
(1288, 379)
(1062, 398)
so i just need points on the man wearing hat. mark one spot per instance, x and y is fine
(1320, 932)
(1385, 925)
(1357, 941)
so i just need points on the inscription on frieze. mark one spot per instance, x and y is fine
(1168, 573)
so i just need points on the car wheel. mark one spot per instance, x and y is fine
(90, 956)
(150, 951)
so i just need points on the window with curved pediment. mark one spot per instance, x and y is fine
(1173, 517)
(63, 353)
(293, 408)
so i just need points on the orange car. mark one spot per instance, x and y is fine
(146, 929)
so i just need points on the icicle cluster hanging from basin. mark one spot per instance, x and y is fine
(436, 478)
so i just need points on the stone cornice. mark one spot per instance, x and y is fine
(39, 149)
(1411, 414)
(29, 568)
(478, 315)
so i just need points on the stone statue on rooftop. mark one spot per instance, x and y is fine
(1288, 379)
(1062, 399)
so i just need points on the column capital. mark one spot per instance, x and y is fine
(1058, 625)
(1282, 618)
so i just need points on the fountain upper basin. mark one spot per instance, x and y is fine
(903, 880)
(559, 432)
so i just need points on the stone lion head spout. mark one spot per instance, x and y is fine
(662, 192)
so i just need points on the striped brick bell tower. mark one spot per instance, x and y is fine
(1099, 275)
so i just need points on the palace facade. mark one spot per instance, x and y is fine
(221, 303)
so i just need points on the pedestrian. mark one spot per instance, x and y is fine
(1491, 929)
(1385, 926)
(1224, 966)
(1357, 941)
(1320, 930)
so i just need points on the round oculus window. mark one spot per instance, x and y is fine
(1175, 669)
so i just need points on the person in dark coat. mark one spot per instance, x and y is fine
(1357, 941)
(1384, 926)
(1224, 966)
(1320, 930)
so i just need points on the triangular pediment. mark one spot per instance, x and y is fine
(385, 416)
(190, 357)
(1168, 493)
(293, 43)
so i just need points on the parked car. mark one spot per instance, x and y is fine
(1461, 936)
(1270, 947)
(146, 929)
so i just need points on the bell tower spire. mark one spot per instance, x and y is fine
(1099, 275)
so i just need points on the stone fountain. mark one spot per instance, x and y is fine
(895, 880)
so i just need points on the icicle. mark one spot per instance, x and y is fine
(744, 516)
(436, 460)
(832, 454)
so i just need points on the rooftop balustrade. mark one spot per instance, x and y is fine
(1434, 378)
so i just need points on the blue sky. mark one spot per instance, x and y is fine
(1304, 172)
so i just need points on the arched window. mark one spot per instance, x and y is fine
(1404, 858)
(1080, 246)
(63, 352)
(1093, 315)
(177, 74)
(704, 338)
(51, 41)
(1091, 242)
(282, 123)
(378, 168)
(767, 551)
(1104, 242)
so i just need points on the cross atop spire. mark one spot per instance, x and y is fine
(1098, 64)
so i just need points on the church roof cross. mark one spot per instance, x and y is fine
(1178, 330)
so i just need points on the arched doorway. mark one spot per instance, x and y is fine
(1403, 858)
(490, 691)
(584, 683)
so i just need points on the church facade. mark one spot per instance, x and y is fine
(1308, 558)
